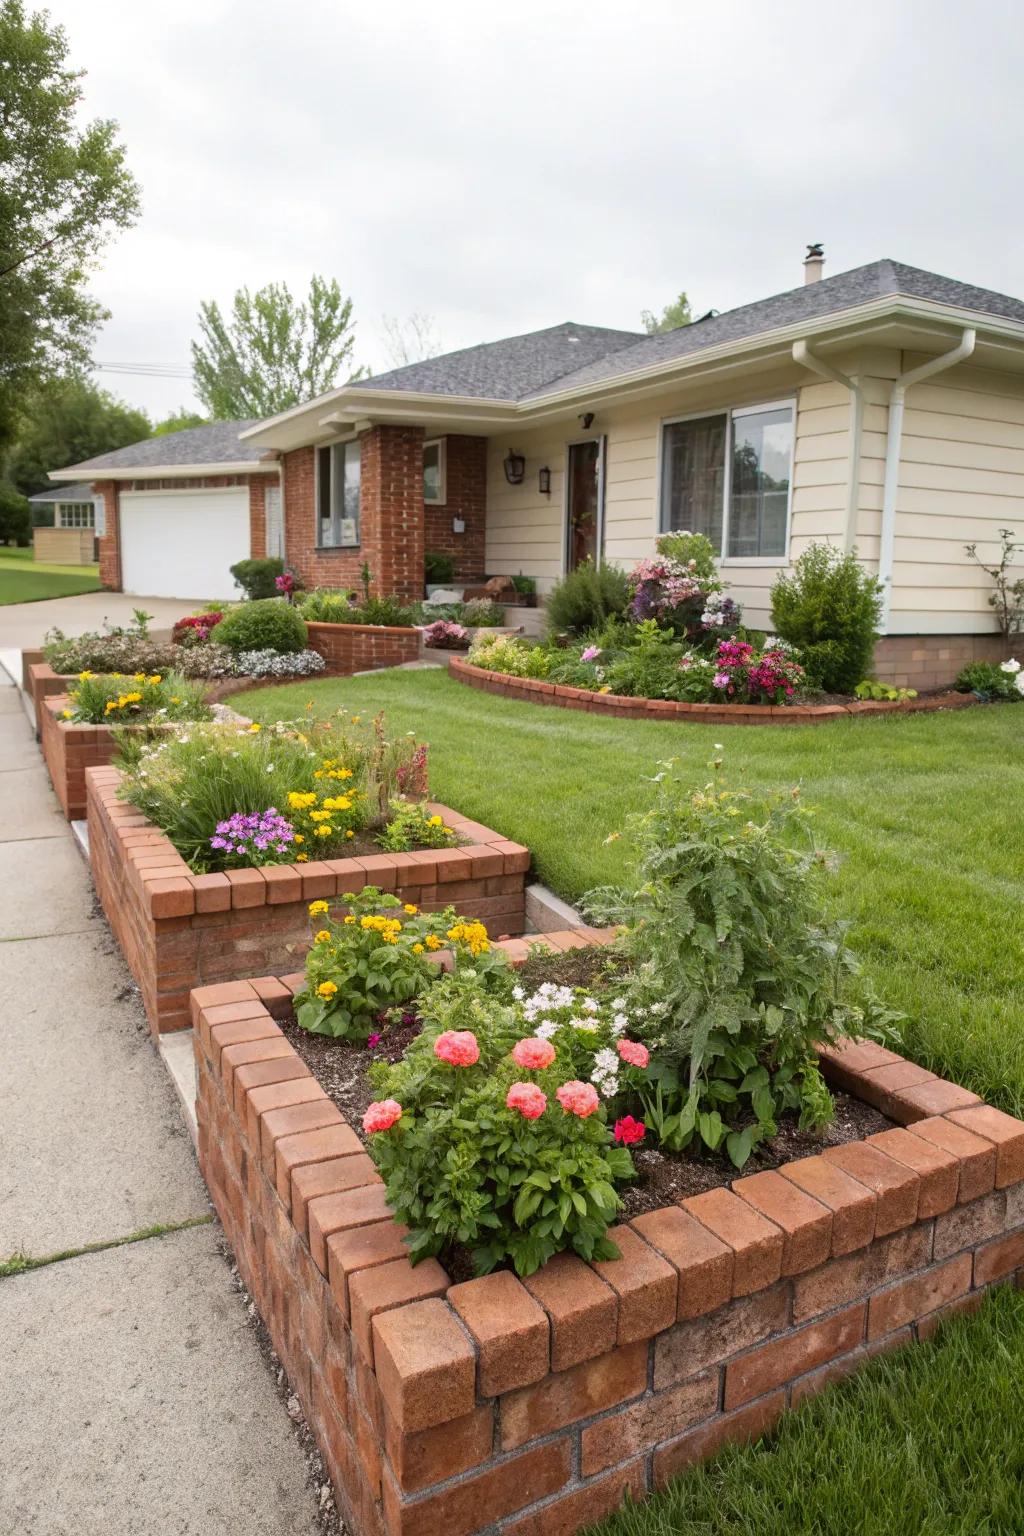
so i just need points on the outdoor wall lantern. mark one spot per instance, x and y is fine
(515, 467)
(544, 481)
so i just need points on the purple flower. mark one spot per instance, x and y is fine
(591, 653)
(720, 680)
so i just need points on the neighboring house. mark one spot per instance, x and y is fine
(881, 409)
(71, 540)
(73, 505)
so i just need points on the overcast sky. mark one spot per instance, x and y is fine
(503, 168)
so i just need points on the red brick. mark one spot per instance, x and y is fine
(581, 1308)
(928, 1326)
(353, 1207)
(585, 1506)
(510, 1329)
(645, 1283)
(244, 1032)
(918, 1295)
(496, 1491)
(756, 1243)
(213, 893)
(373, 1291)
(565, 1397)
(316, 1145)
(173, 897)
(805, 1223)
(260, 1074)
(433, 1455)
(692, 1347)
(703, 1263)
(898, 1187)
(359, 1248)
(857, 1274)
(995, 1260)
(779, 1361)
(852, 1204)
(749, 1423)
(283, 883)
(328, 1178)
(969, 1224)
(273, 1096)
(282, 1123)
(424, 1363)
(319, 881)
(977, 1156)
(248, 888)
(648, 1422)
(1004, 1132)
(938, 1171)
(251, 1053)
(936, 1098)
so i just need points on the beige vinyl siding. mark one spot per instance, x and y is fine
(525, 530)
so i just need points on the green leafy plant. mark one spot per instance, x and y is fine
(732, 965)
(269, 624)
(1008, 598)
(992, 681)
(687, 547)
(871, 688)
(325, 605)
(504, 653)
(386, 611)
(478, 1150)
(257, 577)
(586, 598)
(526, 586)
(829, 607)
(119, 700)
(413, 825)
(15, 517)
(438, 567)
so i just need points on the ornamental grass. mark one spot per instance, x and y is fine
(141, 698)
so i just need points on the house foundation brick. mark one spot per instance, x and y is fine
(417, 1398)
(933, 661)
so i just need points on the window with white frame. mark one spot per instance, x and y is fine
(338, 496)
(434, 489)
(729, 476)
(76, 514)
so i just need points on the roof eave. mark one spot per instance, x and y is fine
(96, 472)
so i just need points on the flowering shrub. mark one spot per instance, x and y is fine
(504, 653)
(287, 584)
(415, 826)
(516, 1162)
(377, 957)
(446, 635)
(1005, 681)
(119, 651)
(276, 664)
(262, 837)
(680, 588)
(742, 674)
(195, 628)
(120, 700)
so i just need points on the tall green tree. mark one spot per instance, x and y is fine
(272, 351)
(178, 421)
(66, 422)
(673, 316)
(64, 191)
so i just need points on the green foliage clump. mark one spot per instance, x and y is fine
(268, 625)
(326, 605)
(462, 1165)
(386, 611)
(414, 825)
(991, 681)
(139, 699)
(871, 688)
(687, 547)
(829, 607)
(587, 598)
(257, 577)
(15, 517)
(732, 964)
(504, 653)
(438, 567)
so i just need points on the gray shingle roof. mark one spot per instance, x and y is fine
(216, 444)
(80, 492)
(509, 369)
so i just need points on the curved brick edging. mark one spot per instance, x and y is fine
(535, 691)
(348, 648)
(179, 930)
(532, 1407)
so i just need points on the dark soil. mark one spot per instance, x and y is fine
(571, 968)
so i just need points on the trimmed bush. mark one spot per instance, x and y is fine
(829, 608)
(438, 567)
(257, 578)
(586, 598)
(270, 625)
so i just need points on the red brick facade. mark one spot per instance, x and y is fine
(530, 1408)
(465, 498)
(110, 490)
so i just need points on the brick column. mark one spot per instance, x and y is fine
(465, 497)
(392, 510)
(110, 543)
(257, 517)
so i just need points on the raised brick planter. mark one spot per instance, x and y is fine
(534, 691)
(348, 648)
(69, 749)
(40, 681)
(532, 1407)
(179, 930)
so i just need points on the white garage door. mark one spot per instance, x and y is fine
(183, 543)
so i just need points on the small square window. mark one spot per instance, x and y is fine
(434, 489)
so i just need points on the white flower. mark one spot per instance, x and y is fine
(585, 1026)
(618, 1003)
(1018, 683)
(619, 1024)
(518, 993)
(588, 1005)
(1012, 666)
(606, 1061)
(545, 1029)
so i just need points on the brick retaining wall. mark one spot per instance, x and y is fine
(536, 691)
(69, 749)
(40, 682)
(180, 930)
(348, 648)
(530, 1408)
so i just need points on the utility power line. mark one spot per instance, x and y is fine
(145, 370)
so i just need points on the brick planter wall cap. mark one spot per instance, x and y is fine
(363, 629)
(537, 691)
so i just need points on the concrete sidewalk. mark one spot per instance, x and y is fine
(133, 1397)
(23, 625)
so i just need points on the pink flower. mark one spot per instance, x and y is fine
(458, 1047)
(533, 1054)
(578, 1098)
(591, 653)
(372, 1040)
(633, 1053)
(629, 1131)
(530, 1101)
(382, 1115)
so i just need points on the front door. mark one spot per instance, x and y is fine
(275, 522)
(585, 495)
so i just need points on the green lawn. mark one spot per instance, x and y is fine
(22, 580)
(925, 815)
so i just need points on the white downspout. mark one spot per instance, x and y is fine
(894, 438)
(802, 354)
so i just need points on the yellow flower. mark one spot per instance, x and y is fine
(175, 699)
(318, 907)
(350, 833)
(417, 949)
(298, 838)
(140, 677)
(156, 678)
(84, 676)
(66, 714)
(254, 727)
(301, 858)
(327, 989)
(447, 831)
(349, 919)
(473, 935)
(389, 938)
(410, 909)
(356, 719)
(323, 937)
(433, 942)
(324, 831)
(434, 821)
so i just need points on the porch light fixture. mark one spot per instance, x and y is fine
(515, 467)
(544, 481)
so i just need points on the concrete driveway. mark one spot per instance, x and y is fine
(24, 624)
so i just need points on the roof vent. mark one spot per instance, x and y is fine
(814, 262)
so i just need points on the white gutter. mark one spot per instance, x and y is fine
(802, 354)
(95, 472)
(894, 438)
